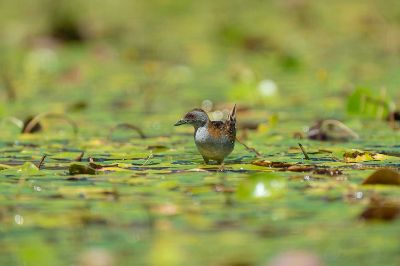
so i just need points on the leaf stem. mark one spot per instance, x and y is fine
(304, 152)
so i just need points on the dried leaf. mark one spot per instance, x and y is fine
(300, 168)
(80, 169)
(331, 130)
(383, 177)
(356, 156)
(272, 164)
(328, 171)
(382, 210)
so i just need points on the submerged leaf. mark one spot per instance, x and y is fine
(384, 177)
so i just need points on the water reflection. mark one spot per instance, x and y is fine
(19, 219)
(261, 191)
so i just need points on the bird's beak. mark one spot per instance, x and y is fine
(181, 122)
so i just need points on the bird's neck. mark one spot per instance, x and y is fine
(199, 125)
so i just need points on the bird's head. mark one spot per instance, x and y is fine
(196, 118)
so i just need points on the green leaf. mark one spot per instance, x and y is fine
(27, 168)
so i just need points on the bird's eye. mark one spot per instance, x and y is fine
(189, 116)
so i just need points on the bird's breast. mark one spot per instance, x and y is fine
(212, 146)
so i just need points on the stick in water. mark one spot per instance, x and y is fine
(41, 162)
(304, 152)
(249, 148)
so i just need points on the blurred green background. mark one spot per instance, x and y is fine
(132, 56)
(104, 62)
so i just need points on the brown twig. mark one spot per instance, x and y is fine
(304, 152)
(249, 148)
(392, 121)
(40, 164)
(127, 126)
(39, 117)
(79, 157)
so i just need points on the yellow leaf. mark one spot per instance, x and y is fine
(356, 156)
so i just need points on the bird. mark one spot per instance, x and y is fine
(215, 140)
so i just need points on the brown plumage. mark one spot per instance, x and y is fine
(214, 139)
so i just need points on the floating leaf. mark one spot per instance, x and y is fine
(356, 156)
(27, 168)
(301, 168)
(328, 171)
(272, 164)
(384, 177)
